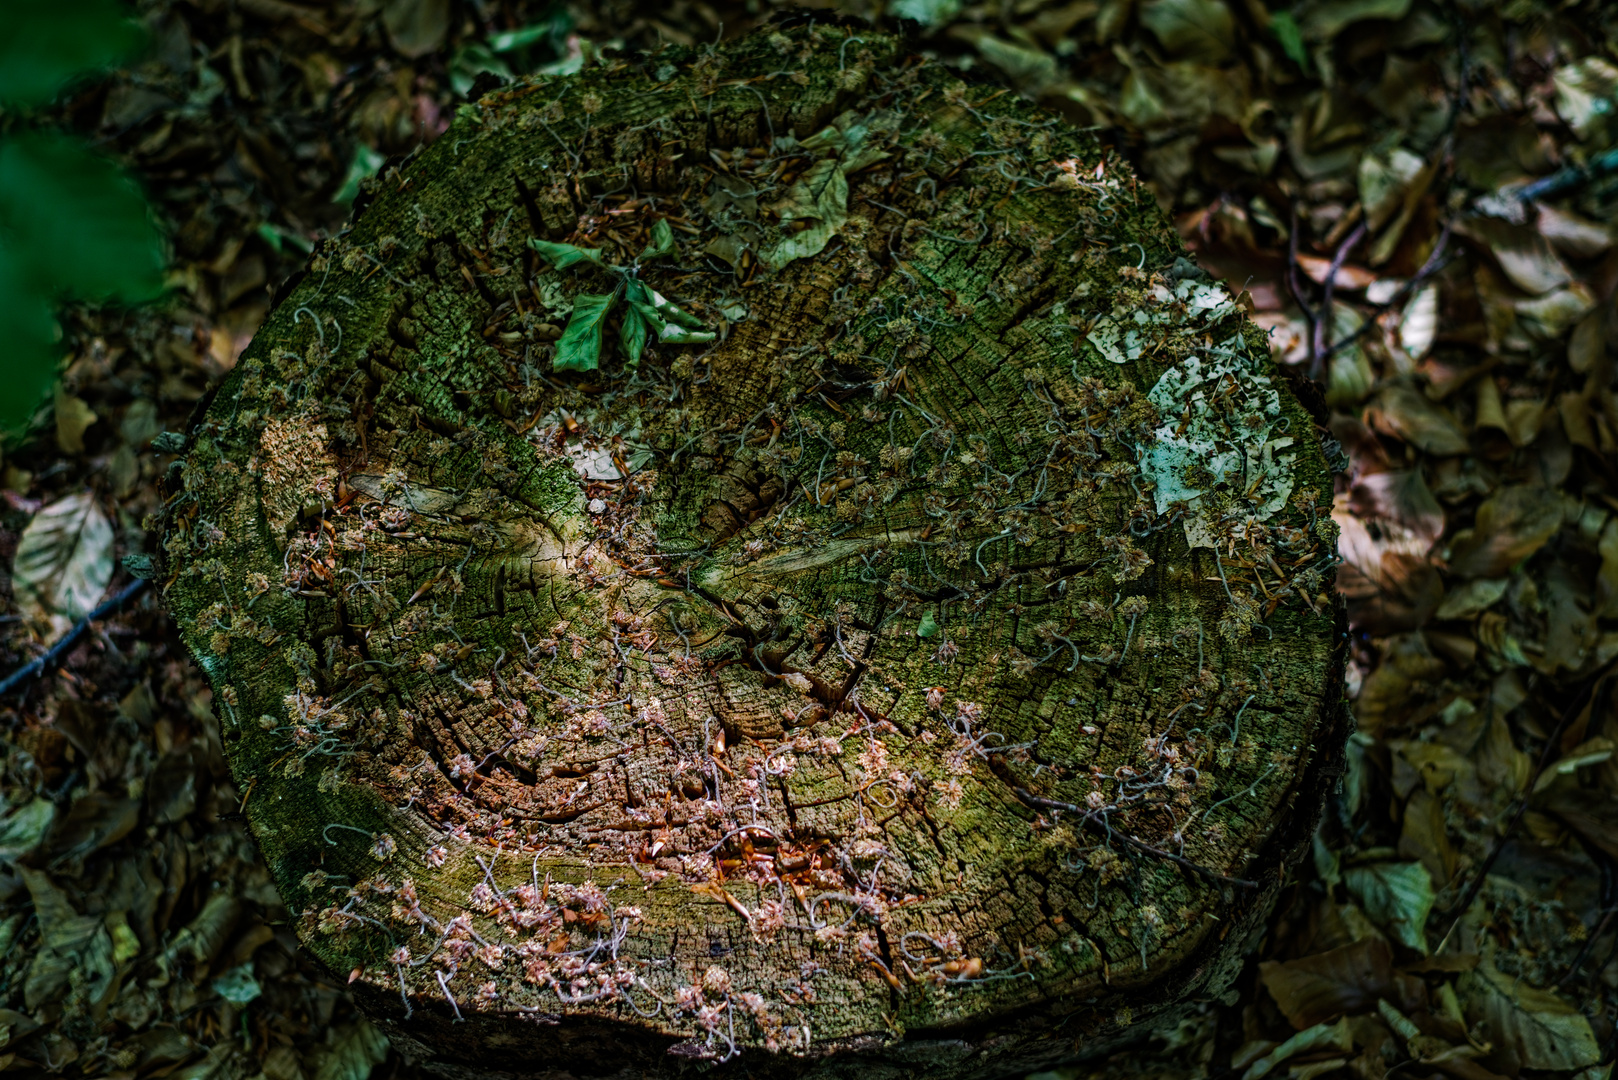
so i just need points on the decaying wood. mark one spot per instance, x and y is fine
(935, 671)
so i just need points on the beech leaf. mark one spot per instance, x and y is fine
(562, 256)
(77, 221)
(632, 336)
(662, 240)
(64, 560)
(1537, 1028)
(1396, 896)
(1511, 525)
(580, 346)
(819, 196)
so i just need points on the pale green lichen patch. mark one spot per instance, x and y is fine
(1128, 333)
(1223, 426)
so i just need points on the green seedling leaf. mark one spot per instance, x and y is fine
(580, 346)
(662, 240)
(562, 256)
(632, 336)
(46, 44)
(672, 325)
(364, 166)
(523, 36)
(276, 237)
(669, 312)
(1290, 36)
(928, 627)
(76, 222)
(668, 332)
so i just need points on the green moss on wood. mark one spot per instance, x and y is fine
(831, 689)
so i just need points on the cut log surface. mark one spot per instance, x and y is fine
(764, 558)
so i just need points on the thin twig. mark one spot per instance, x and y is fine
(1101, 828)
(1295, 286)
(1546, 756)
(1435, 262)
(1323, 322)
(71, 638)
(1570, 179)
(1609, 905)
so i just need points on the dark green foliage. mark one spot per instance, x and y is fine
(48, 43)
(73, 225)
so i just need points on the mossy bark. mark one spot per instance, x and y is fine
(934, 673)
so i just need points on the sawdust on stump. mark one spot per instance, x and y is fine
(850, 589)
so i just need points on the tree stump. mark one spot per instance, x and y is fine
(764, 557)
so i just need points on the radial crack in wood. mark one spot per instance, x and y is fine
(768, 557)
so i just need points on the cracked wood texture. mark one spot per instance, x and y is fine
(933, 673)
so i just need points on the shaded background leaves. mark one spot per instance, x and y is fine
(1354, 168)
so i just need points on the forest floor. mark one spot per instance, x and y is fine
(1397, 185)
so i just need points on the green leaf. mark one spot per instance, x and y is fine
(580, 347)
(47, 42)
(75, 222)
(669, 312)
(668, 332)
(632, 336)
(1396, 896)
(928, 627)
(671, 324)
(662, 240)
(562, 256)
(1286, 31)
(552, 31)
(28, 361)
(364, 166)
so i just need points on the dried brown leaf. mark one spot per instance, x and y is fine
(1341, 981)
(1511, 525)
(1529, 1027)
(1525, 256)
(1403, 411)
